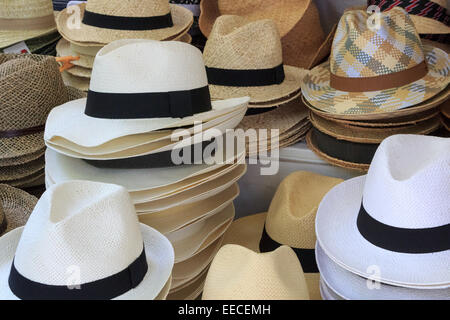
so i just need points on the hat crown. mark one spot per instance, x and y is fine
(408, 183)
(236, 43)
(30, 86)
(22, 9)
(149, 66)
(292, 212)
(359, 51)
(129, 8)
(238, 273)
(75, 227)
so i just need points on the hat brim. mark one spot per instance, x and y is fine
(8, 38)
(158, 250)
(69, 121)
(21, 171)
(80, 72)
(317, 90)
(247, 232)
(350, 286)
(63, 49)
(338, 236)
(182, 19)
(278, 93)
(190, 290)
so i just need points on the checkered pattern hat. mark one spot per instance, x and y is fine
(377, 64)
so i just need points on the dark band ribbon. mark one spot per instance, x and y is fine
(403, 240)
(354, 152)
(256, 111)
(307, 257)
(174, 104)
(21, 132)
(103, 289)
(3, 225)
(245, 78)
(381, 82)
(127, 23)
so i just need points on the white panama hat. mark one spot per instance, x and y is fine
(396, 218)
(87, 234)
(131, 94)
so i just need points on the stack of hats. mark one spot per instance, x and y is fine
(28, 31)
(385, 235)
(126, 133)
(60, 253)
(289, 221)
(445, 118)
(30, 86)
(198, 39)
(378, 82)
(256, 70)
(104, 21)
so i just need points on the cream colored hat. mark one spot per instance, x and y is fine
(238, 273)
(256, 69)
(289, 221)
(84, 234)
(25, 19)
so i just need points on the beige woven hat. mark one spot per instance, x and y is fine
(30, 86)
(289, 221)
(238, 273)
(9, 173)
(15, 207)
(244, 58)
(25, 19)
(63, 48)
(297, 20)
(104, 21)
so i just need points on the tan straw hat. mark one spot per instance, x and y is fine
(238, 273)
(297, 20)
(15, 207)
(244, 58)
(63, 48)
(104, 21)
(289, 221)
(25, 19)
(30, 86)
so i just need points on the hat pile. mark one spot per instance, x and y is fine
(289, 221)
(445, 118)
(198, 39)
(103, 21)
(60, 253)
(123, 134)
(256, 70)
(30, 86)
(378, 82)
(385, 235)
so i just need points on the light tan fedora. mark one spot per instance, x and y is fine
(256, 69)
(25, 19)
(289, 221)
(15, 207)
(297, 20)
(238, 273)
(104, 21)
(191, 290)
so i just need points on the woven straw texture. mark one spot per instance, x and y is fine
(363, 53)
(21, 171)
(80, 72)
(237, 43)
(182, 20)
(63, 48)
(21, 159)
(76, 82)
(297, 20)
(16, 206)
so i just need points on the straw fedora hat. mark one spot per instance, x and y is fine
(397, 74)
(25, 19)
(63, 232)
(178, 75)
(9, 173)
(104, 21)
(63, 48)
(395, 217)
(289, 221)
(30, 86)
(238, 273)
(15, 207)
(297, 20)
(350, 286)
(256, 69)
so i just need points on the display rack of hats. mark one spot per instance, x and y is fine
(191, 204)
(402, 86)
(82, 43)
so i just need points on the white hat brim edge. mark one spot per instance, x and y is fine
(338, 236)
(158, 250)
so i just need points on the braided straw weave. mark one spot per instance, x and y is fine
(239, 44)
